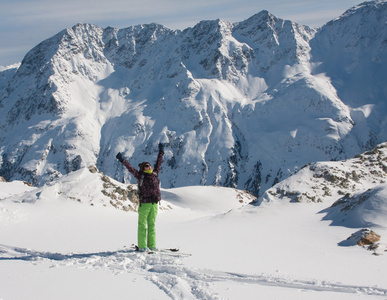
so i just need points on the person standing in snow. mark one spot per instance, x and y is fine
(150, 195)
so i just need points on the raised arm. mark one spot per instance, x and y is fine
(127, 165)
(159, 158)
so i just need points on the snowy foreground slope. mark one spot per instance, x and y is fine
(71, 239)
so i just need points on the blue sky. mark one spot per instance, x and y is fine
(26, 23)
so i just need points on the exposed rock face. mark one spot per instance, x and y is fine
(368, 237)
(365, 238)
(353, 181)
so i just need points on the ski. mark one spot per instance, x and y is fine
(166, 251)
(173, 251)
(170, 249)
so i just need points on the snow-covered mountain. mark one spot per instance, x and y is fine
(357, 187)
(240, 105)
(323, 181)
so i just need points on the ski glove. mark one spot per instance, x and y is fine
(161, 147)
(119, 156)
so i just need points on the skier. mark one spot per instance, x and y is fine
(150, 195)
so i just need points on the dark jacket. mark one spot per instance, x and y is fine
(149, 184)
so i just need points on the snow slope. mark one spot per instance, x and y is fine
(68, 240)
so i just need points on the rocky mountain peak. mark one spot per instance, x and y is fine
(242, 105)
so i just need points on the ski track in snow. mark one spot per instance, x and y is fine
(168, 273)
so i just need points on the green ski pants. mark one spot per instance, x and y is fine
(146, 234)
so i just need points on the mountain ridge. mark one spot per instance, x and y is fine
(241, 105)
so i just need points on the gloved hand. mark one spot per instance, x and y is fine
(119, 156)
(161, 147)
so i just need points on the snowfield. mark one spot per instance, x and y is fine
(55, 246)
